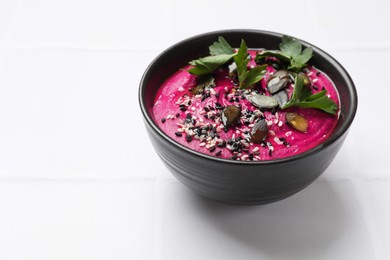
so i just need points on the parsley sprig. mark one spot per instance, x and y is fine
(302, 97)
(291, 51)
(247, 77)
(220, 53)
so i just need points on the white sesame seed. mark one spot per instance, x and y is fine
(315, 80)
(251, 125)
(193, 108)
(271, 132)
(202, 144)
(310, 73)
(180, 130)
(180, 88)
(237, 132)
(288, 133)
(201, 119)
(212, 91)
(277, 140)
(269, 123)
(280, 123)
(255, 149)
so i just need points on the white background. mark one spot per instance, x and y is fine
(79, 178)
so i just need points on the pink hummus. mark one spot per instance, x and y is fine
(195, 120)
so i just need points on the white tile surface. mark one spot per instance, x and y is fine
(89, 23)
(378, 194)
(73, 114)
(76, 220)
(74, 186)
(322, 222)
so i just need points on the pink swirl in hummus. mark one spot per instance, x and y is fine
(195, 120)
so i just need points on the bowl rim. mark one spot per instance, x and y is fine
(329, 141)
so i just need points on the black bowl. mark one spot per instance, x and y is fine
(230, 181)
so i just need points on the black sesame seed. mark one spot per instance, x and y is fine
(206, 109)
(212, 149)
(318, 73)
(237, 100)
(247, 123)
(218, 153)
(163, 120)
(188, 138)
(315, 87)
(177, 114)
(234, 157)
(282, 139)
(225, 129)
(183, 109)
(273, 111)
(231, 100)
(286, 143)
(323, 88)
(223, 144)
(212, 117)
(178, 134)
(270, 153)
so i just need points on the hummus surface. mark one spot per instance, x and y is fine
(195, 120)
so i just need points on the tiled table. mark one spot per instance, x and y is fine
(74, 186)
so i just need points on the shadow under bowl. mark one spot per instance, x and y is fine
(240, 182)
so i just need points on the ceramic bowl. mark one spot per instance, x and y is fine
(230, 181)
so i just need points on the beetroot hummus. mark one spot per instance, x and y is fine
(209, 114)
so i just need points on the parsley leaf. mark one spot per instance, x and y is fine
(221, 47)
(247, 77)
(220, 53)
(302, 97)
(208, 64)
(291, 52)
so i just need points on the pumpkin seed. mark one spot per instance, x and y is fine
(297, 121)
(262, 101)
(230, 115)
(281, 97)
(259, 131)
(278, 81)
(306, 79)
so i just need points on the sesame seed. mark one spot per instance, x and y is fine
(163, 120)
(315, 80)
(218, 153)
(179, 134)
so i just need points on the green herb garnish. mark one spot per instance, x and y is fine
(302, 97)
(247, 77)
(208, 64)
(221, 47)
(220, 53)
(290, 52)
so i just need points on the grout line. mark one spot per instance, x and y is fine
(372, 225)
(350, 177)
